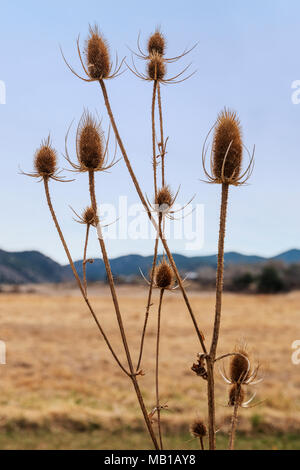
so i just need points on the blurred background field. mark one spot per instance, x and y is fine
(61, 389)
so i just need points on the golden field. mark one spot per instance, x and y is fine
(60, 376)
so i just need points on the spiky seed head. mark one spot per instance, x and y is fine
(239, 366)
(157, 43)
(236, 394)
(97, 55)
(227, 143)
(198, 428)
(90, 147)
(164, 197)
(88, 216)
(164, 277)
(156, 67)
(45, 159)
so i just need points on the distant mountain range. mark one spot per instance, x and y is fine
(34, 267)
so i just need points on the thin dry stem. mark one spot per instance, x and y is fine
(84, 261)
(154, 159)
(216, 330)
(148, 303)
(162, 145)
(157, 368)
(234, 419)
(117, 308)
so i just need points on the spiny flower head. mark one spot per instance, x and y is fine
(227, 148)
(164, 198)
(97, 55)
(157, 43)
(45, 159)
(89, 143)
(156, 68)
(164, 276)
(198, 428)
(88, 216)
(239, 370)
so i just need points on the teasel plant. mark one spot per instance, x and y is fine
(240, 376)
(226, 163)
(91, 155)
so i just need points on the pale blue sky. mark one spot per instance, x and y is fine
(247, 59)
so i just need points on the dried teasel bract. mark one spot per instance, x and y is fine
(91, 148)
(164, 201)
(227, 151)
(95, 60)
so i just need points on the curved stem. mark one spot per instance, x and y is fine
(201, 443)
(143, 201)
(117, 308)
(148, 303)
(157, 368)
(49, 202)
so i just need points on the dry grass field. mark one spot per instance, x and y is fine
(60, 378)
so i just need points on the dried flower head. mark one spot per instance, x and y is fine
(87, 217)
(97, 64)
(227, 147)
(164, 276)
(45, 159)
(198, 428)
(164, 198)
(239, 367)
(157, 43)
(45, 163)
(156, 69)
(97, 55)
(91, 149)
(89, 143)
(240, 370)
(227, 151)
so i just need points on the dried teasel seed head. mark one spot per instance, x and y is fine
(164, 277)
(89, 143)
(45, 159)
(164, 197)
(198, 428)
(88, 216)
(239, 366)
(97, 55)
(236, 394)
(156, 68)
(227, 148)
(157, 44)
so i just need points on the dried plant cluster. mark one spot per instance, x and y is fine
(226, 155)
